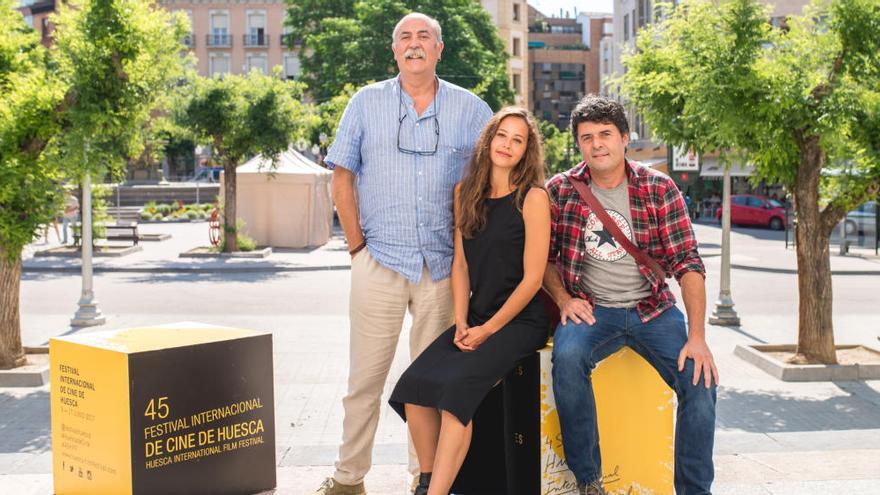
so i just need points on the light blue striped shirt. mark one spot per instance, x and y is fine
(405, 200)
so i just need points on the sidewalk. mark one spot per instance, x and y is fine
(164, 256)
(772, 437)
(771, 257)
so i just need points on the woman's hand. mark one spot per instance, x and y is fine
(474, 338)
(461, 332)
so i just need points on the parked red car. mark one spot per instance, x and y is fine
(750, 209)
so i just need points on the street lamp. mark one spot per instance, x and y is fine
(88, 314)
(724, 315)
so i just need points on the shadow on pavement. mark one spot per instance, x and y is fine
(255, 276)
(761, 234)
(773, 412)
(25, 423)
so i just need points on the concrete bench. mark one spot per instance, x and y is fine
(114, 232)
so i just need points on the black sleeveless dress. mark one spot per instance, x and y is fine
(447, 378)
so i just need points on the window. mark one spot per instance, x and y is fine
(516, 12)
(258, 63)
(44, 28)
(739, 200)
(188, 41)
(219, 29)
(756, 202)
(644, 5)
(516, 83)
(256, 22)
(633, 18)
(219, 64)
(517, 52)
(625, 27)
(292, 68)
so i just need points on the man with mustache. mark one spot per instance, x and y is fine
(611, 296)
(400, 148)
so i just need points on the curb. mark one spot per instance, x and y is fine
(172, 269)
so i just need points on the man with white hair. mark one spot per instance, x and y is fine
(400, 148)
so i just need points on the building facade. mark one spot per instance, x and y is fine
(565, 56)
(511, 20)
(237, 36)
(36, 14)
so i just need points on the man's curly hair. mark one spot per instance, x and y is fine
(598, 109)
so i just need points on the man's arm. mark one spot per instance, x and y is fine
(693, 291)
(343, 189)
(578, 310)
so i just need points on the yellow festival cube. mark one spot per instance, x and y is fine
(635, 409)
(176, 409)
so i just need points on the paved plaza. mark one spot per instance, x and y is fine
(772, 437)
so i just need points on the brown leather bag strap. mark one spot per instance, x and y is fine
(597, 208)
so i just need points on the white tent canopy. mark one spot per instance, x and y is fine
(289, 206)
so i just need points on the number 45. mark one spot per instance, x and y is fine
(157, 408)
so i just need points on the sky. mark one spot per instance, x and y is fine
(551, 7)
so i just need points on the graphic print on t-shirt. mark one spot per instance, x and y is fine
(598, 241)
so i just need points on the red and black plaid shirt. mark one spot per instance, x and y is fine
(661, 228)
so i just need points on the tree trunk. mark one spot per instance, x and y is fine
(815, 327)
(230, 236)
(11, 350)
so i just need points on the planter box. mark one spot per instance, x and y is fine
(172, 410)
(35, 373)
(758, 355)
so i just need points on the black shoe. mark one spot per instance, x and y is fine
(424, 482)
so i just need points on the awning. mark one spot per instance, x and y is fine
(710, 167)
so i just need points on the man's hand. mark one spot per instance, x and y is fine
(578, 310)
(704, 363)
(461, 331)
(475, 336)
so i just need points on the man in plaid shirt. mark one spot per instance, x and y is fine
(608, 300)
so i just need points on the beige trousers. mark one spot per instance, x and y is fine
(380, 298)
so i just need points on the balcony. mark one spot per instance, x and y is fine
(218, 40)
(189, 40)
(289, 41)
(255, 40)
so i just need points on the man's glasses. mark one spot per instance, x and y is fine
(401, 116)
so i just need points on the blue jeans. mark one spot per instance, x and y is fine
(64, 223)
(577, 348)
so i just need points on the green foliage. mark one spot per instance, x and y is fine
(245, 242)
(349, 42)
(30, 191)
(242, 116)
(119, 57)
(719, 76)
(559, 151)
(329, 112)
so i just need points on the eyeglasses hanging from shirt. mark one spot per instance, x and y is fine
(401, 116)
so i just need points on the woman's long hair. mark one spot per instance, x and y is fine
(477, 184)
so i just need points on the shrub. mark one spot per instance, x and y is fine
(157, 217)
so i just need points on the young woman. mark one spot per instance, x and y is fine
(502, 239)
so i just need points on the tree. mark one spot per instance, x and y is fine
(240, 117)
(29, 95)
(801, 103)
(349, 42)
(558, 149)
(326, 118)
(72, 111)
